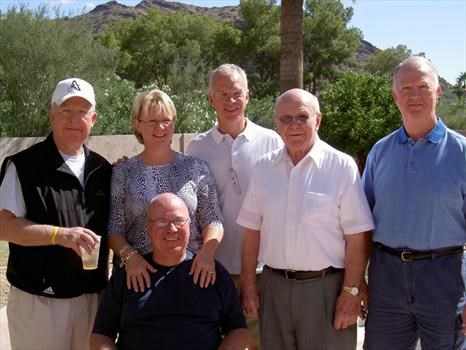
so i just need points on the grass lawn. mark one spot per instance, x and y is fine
(3, 253)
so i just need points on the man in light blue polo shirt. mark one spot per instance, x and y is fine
(415, 182)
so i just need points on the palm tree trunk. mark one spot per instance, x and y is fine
(291, 60)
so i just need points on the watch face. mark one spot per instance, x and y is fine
(352, 290)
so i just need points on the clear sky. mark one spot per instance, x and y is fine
(435, 27)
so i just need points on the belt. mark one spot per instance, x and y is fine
(414, 255)
(304, 275)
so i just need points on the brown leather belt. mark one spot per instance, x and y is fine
(304, 275)
(414, 255)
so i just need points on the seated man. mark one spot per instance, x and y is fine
(174, 313)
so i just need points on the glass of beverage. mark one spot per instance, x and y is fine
(90, 261)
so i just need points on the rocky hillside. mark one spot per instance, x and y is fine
(106, 14)
(366, 50)
(111, 11)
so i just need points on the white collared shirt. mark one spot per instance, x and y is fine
(304, 211)
(223, 153)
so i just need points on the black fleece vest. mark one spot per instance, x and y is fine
(53, 195)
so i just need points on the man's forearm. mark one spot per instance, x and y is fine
(212, 236)
(249, 255)
(24, 232)
(348, 306)
(357, 254)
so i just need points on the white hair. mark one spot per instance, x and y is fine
(228, 69)
(416, 61)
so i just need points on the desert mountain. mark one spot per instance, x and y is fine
(111, 11)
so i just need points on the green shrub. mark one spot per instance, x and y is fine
(357, 111)
(114, 98)
(260, 111)
(36, 53)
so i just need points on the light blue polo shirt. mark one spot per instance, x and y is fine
(417, 190)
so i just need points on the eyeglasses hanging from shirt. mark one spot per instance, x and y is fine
(234, 178)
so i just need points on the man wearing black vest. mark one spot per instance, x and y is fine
(53, 203)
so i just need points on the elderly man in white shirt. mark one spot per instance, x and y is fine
(231, 148)
(306, 218)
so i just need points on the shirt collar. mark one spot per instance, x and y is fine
(316, 153)
(54, 153)
(247, 132)
(438, 132)
(434, 136)
(217, 135)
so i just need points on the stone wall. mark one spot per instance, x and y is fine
(111, 147)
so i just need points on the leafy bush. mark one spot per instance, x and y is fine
(260, 111)
(149, 45)
(452, 108)
(357, 111)
(453, 115)
(194, 112)
(36, 53)
(114, 101)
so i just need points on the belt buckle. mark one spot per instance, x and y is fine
(403, 258)
(286, 274)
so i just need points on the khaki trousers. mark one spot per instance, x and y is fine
(37, 322)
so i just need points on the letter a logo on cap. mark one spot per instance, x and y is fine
(75, 85)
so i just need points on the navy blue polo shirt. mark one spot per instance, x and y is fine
(173, 314)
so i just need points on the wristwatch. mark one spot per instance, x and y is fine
(354, 291)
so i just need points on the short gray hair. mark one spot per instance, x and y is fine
(416, 61)
(228, 69)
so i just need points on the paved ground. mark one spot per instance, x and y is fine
(5, 339)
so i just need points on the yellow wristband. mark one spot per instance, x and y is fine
(54, 235)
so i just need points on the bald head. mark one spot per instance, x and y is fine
(297, 117)
(416, 63)
(298, 95)
(165, 202)
(168, 228)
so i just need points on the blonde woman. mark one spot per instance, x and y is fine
(159, 169)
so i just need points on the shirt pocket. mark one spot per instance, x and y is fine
(317, 208)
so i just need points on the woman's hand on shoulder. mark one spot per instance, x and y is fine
(137, 273)
(203, 270)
